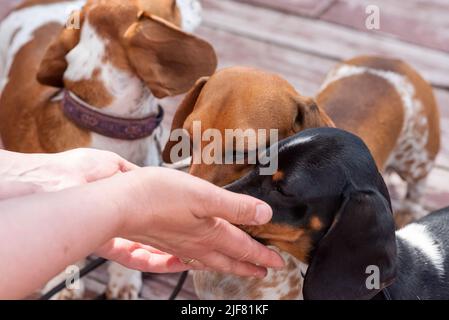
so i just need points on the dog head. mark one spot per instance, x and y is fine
(129, 40)
(243, 98)
(331, 210)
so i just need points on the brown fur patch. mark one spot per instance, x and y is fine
(92, 90)
(377, 112)
(29, 121)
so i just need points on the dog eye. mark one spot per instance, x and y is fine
(279, 189)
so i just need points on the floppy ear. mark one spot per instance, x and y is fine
(184, 110)
(362, 235)
(166, 58)
(54, 64)
(310, 115)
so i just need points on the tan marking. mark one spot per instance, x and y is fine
(315, 223)
(295, 241)
(278, 176)
(273, 231)
(300, 249)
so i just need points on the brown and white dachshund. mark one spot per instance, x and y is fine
(382, 100)
(121, 58)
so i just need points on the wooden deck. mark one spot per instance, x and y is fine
(301, 40)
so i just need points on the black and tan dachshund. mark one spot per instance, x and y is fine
(333, 223)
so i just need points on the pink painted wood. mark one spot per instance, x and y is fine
(424, 23)
(309, 8)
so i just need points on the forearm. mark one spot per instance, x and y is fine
(42, 234)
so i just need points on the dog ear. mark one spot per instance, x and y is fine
(166, 58)
(310, 115)
(184, 110)
(54, 64)
(362, 235)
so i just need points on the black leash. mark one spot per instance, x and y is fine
(96, 264)
(179, 285)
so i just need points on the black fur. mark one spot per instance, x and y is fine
(330, 174)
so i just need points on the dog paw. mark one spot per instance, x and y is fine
(69, 294)
(127, 292)
(124, 284)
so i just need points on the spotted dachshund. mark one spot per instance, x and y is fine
(333, 224)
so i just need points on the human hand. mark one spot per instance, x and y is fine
(191, 218)
(80, 166)
(140, 257)
(24, 174)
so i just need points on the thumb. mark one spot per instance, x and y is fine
(235, 208)
(126, 166)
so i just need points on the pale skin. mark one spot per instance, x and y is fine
(58, 209)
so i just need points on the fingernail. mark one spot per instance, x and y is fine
(263, 214)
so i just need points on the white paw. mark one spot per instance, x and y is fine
(70, 294)
(124, 284)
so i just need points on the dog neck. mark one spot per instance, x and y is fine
(284, 284)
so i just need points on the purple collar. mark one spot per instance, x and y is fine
(86, 117)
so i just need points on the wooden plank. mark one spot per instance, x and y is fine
(320, 38)
(303, 70)
(6, 6)
(424, 23)
(309, 8)
(306, 72)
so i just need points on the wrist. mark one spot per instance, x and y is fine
(134, 208)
